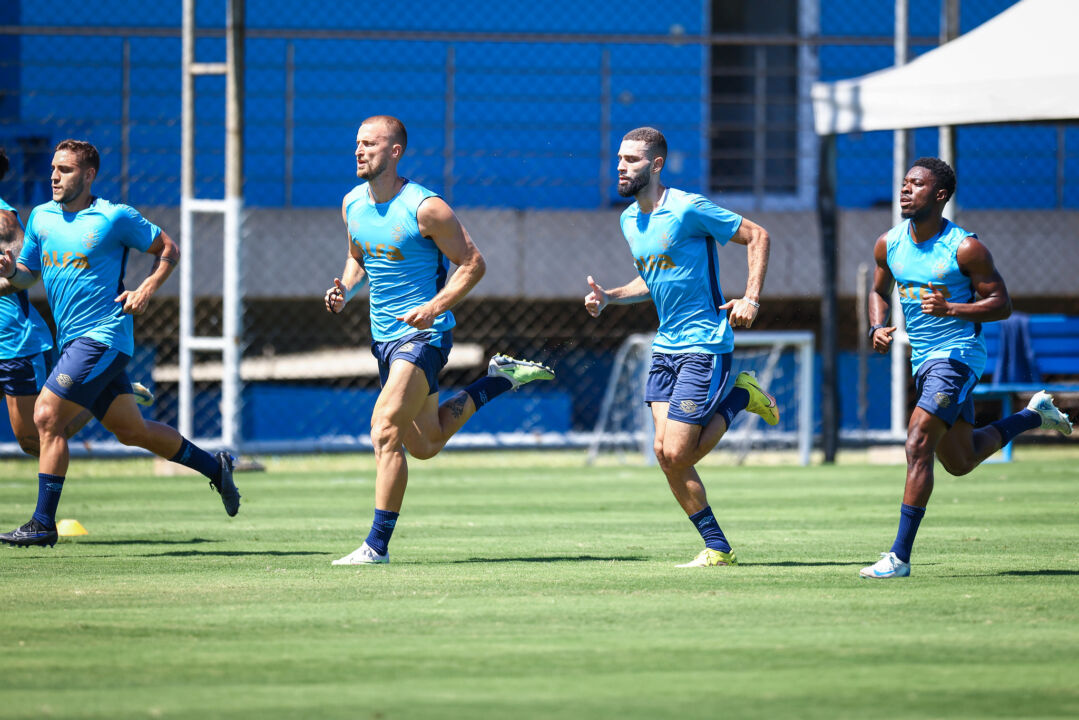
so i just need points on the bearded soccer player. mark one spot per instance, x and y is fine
(673, 238)
(948, 287)
(401, 236)
(78, 245)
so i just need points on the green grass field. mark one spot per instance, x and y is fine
(530, 586)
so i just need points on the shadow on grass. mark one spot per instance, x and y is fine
(192, 541)
(792, 563)
(566, 558)
(231, 553)
(1040, 572)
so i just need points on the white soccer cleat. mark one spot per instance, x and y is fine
(1052, 418)
(889, 566)
(363, 555)
(516, 371)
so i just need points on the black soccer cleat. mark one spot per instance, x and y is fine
(230, 494)
(32, 533)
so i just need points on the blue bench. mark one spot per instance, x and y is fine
(1055, 340)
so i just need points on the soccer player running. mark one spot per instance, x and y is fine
(400, 237)
(26, 344)
(78, 244)
(672, 235)
(948, 286)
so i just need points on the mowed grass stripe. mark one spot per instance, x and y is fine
(529, 586)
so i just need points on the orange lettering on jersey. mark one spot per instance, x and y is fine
(654, 262)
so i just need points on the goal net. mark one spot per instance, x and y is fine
(783, 363)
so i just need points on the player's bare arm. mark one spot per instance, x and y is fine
(994, 303)
(13, 275)
(167, 254)
(353, 277)
(634, 291)
(437, 221)
(880, 299)
(758, 247)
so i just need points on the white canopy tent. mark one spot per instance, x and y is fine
(1020, 66)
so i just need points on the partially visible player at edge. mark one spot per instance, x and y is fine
(26, 355)
(400, 237)
(948, 286)
(78, 245)
(672, 235)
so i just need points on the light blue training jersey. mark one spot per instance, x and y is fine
(22, 330)
(405, 268)
(674, 249)
(82, 258)
(914, 266)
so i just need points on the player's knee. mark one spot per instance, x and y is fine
(47, 421)
(384, 434)
(423, 449)
(919, 447)
(675, 460)
(30, 444)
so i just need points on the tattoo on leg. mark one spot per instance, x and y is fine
(457, 404)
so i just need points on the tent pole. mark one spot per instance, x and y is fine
(829, 306)
(949, 30)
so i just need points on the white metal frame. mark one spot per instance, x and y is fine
(802, 340)
(229, 343)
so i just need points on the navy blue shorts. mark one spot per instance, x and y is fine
(427, 350)
(944, 389)
(25, 375)
(90, 374)
(691, 382)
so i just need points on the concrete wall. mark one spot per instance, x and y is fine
(547, 254)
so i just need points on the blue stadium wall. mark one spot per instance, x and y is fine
(528, 116)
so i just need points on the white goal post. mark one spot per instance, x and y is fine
(783, 363)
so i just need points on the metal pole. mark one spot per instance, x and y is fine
(125, 125)
(290, 117)
(187, 239)
(900, 343)
(604, 126)
(760, 124)
(232, 293)
(949, 30)
(829, 306)
(449, 131)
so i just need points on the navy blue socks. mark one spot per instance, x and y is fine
(381, 531)
(1015, 424)
(734, 403)
(706, 525)
(197, 459)
(487, 389)
(49, 488)
(910, 517)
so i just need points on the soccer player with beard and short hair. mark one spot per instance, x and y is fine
(673, 238)
(26, 347)
(948, 286)
(78, 245)
(402, 237)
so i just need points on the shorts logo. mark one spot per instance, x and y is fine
(64, 380)
(408, 346)
(688, 406)
(942, 399)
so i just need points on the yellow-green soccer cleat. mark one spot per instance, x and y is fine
(710, 558)
(518, 372)
(761, 401)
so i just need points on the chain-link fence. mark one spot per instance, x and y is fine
(515, 113)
